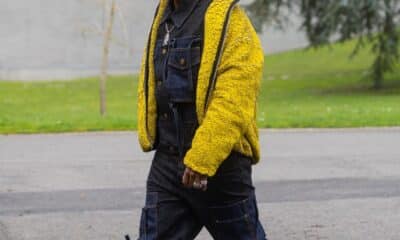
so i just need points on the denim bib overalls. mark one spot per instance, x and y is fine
(177, 65)
(228, 208)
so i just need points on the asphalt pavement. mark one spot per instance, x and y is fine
(311, 184)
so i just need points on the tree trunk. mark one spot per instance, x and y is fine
(104, 65)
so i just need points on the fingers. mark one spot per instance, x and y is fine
(188, 178)
(203, 182)
(192, 179)
(185, 178)
(196, 182)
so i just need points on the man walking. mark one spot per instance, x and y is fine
(197, 99)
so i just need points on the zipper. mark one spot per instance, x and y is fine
(221, 44)
(146, 78)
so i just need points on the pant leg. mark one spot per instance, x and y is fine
(239, 221)
(232, 205)
(166, 216)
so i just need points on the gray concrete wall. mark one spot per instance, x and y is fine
(57, 39)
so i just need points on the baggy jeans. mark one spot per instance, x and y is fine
(228, 209)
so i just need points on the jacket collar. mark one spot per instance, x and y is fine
(179, 15)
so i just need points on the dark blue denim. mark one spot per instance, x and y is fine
(183, 59)
(176, 66)
(228, 208)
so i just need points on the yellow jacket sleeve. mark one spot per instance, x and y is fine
(232, 107)
(141, 107)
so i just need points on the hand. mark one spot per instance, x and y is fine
(193, 179)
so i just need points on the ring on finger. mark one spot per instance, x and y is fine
(203, 182)
(197, 185)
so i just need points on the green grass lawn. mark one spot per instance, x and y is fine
(325, 88)
(313, 88)
(61, 106)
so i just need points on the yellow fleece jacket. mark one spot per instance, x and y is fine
(227, 89)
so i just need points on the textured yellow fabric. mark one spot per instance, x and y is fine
(148, 110)
(229, 121)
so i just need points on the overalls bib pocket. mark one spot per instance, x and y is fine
(182, 61)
